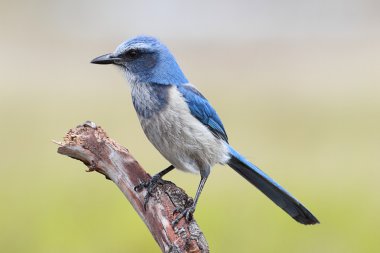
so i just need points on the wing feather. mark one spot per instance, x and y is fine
(201, 109)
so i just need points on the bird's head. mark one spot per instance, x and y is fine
(145, 60)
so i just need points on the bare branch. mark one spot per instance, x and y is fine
(91, 145)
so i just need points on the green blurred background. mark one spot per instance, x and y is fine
(297, 84)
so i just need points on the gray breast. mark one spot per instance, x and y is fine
(181, 138)
(149, 99)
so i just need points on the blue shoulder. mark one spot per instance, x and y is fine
(201, 109)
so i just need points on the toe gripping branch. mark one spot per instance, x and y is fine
(150, 187)
(184, 205)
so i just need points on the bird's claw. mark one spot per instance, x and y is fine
(150, 186)
(183, 212)
(178, 209)
(140, 186)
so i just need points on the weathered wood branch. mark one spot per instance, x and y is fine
(91, 145)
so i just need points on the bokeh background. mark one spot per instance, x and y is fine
(297, 84)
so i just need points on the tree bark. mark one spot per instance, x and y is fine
(91, 145)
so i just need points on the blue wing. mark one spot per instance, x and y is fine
(201, 109)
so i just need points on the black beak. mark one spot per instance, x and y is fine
(105, 59)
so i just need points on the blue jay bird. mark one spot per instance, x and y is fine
(183, 126)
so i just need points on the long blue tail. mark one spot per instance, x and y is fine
(270, 188)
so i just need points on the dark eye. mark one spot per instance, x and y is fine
(132, 54)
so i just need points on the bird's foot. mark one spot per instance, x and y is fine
(150, 187)
(186, 212)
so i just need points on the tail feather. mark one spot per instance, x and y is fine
(270, 188)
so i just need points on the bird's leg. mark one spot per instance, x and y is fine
(187, 212)
(152, 184)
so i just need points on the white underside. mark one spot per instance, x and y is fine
(181, 138)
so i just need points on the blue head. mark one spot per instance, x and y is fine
(145, 60)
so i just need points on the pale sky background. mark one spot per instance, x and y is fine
(195, 20)
(337, 41)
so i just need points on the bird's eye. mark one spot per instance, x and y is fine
(133, 54)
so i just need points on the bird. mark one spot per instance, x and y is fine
(183, 126)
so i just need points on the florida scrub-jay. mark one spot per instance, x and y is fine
(180, 122)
